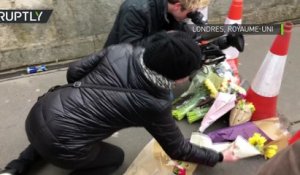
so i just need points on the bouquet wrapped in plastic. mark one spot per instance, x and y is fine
(194, 102)
(188, 103)
(223, 103)
(198, 80)
(244, 149)
(259, 142)
(241, 147)
(268, 136)
(197, 113)
(202, 140)
(211, 84)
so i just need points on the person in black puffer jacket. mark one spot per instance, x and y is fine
(127, 87)
(139, 19)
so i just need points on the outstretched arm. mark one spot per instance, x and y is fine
(170, 138)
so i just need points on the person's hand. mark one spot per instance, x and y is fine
(228, 154)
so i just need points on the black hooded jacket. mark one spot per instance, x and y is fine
(68, 123)
(138, 19)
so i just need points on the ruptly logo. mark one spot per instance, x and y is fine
(25, 16)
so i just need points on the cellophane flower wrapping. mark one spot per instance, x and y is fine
(223, 103)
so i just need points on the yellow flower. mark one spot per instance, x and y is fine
(258, 141)
(252, 107)
(224, 85)
(211, 87)
(238, 88)
(270, 151)
(243, 105)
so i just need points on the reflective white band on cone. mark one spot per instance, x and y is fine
(231, 21)
(268, 79)
(204, 12)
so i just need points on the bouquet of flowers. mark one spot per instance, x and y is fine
(258, 141)
(186, 104)
(209, 85)
(254, 146)
(213, 83)
(241, 113)
(197, 113)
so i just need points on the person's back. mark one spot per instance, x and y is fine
(79, 117)
(138, 19)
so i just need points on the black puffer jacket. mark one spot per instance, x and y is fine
(68, 122)
(138, 19)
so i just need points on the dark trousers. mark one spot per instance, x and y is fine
(25, 160)
(108, 159)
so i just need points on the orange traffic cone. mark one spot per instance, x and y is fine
(266, 84)
(235, 12)
(204, 11)
(234, 17)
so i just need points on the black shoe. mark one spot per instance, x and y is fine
(8, 172)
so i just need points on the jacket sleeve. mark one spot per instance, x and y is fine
(79, 69)
(170, 138)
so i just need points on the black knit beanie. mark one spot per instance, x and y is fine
(174, 55)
